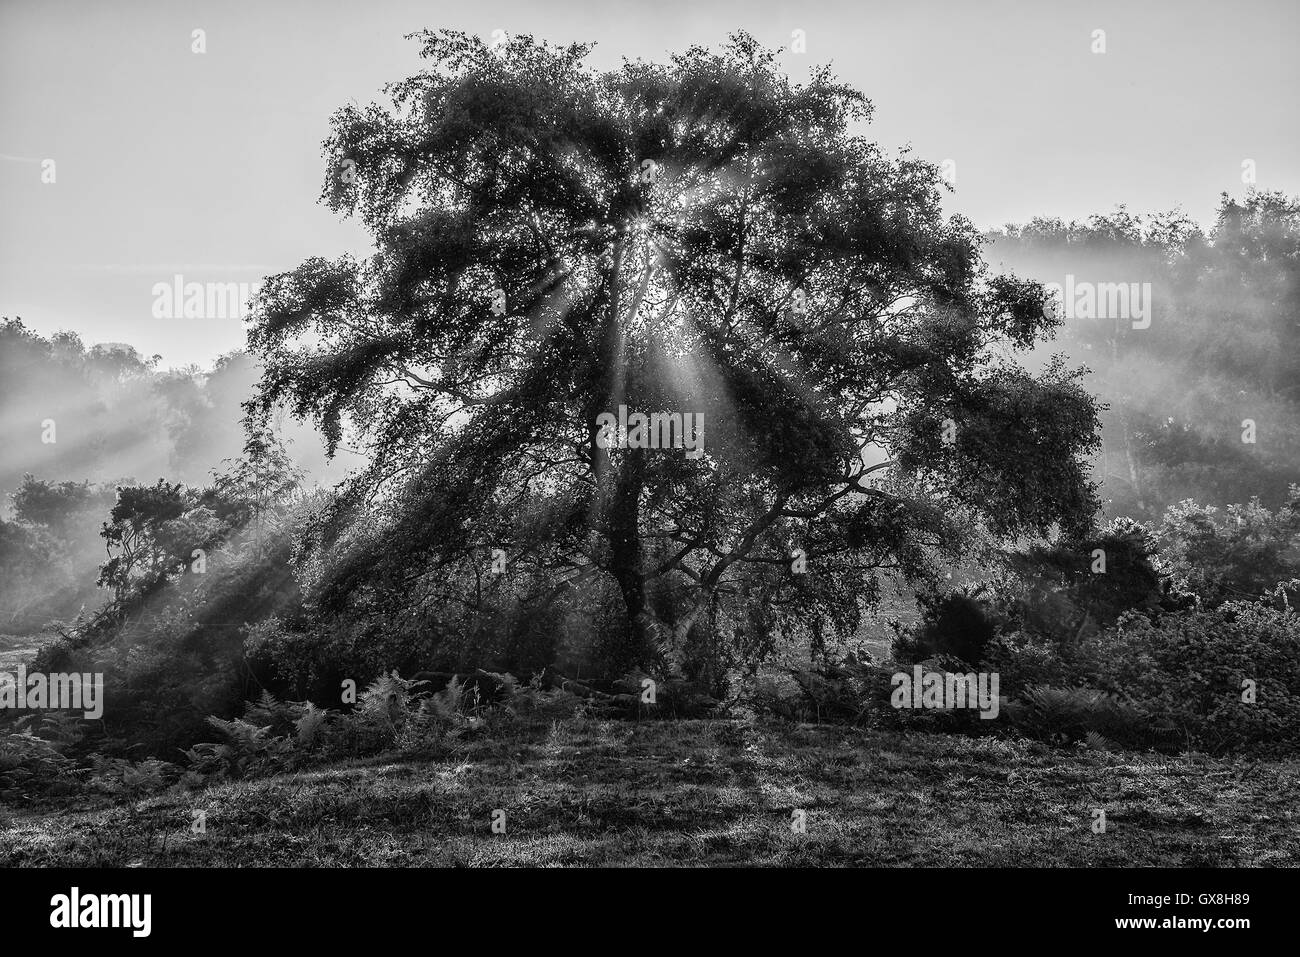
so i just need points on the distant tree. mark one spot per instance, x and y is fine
(49, 551)
(698, 237)
(1242, 552)
(146, 538)
(26, 561)
(63, 507)
(73, 413)
(153, 531)
(1222, 347)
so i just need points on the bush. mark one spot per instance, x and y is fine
(162, 676)
(1023, 661)
(311, 663)
(1240, 552)
(1188, 671)
(857, 691)
(31, 766)
(1069, 715)
(391, 713)
(1170, 682)
(38, 764)
(954, 624)
(131, 778)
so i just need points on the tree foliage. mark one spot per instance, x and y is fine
(700, 236)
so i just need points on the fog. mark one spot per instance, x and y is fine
(1200, 381)
(103, 413)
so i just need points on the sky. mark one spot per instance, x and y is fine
(209, 165)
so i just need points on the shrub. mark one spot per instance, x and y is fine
(1188, 671)
(311, 663)
(391, 713)
(1100, 719)
(880, 697)
(1240, 552)
(1023, 661)
(247, 750)
(857, 690)
(955, 625)
(1180, 674)
(31, 765)
(110, 775)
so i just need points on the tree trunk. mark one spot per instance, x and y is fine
(1133, 477)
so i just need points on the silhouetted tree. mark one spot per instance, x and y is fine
(698, 237)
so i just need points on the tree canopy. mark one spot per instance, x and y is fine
(702, 236)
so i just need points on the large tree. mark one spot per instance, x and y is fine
(554, 242)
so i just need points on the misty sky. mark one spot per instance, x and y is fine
(210, 165)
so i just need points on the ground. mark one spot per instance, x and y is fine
(581, 791)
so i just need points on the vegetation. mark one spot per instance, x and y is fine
(643, 655)
(1221, 347)
(755, 264)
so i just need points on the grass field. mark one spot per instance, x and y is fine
(587, 792)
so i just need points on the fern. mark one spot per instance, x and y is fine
(250, 749)
(307, 728)
(27, 761)
(388, 698)
(1098, 742)
(447, 702)
(1072, 714)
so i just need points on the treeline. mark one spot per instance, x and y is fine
(81, 421)
(1204, 403)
